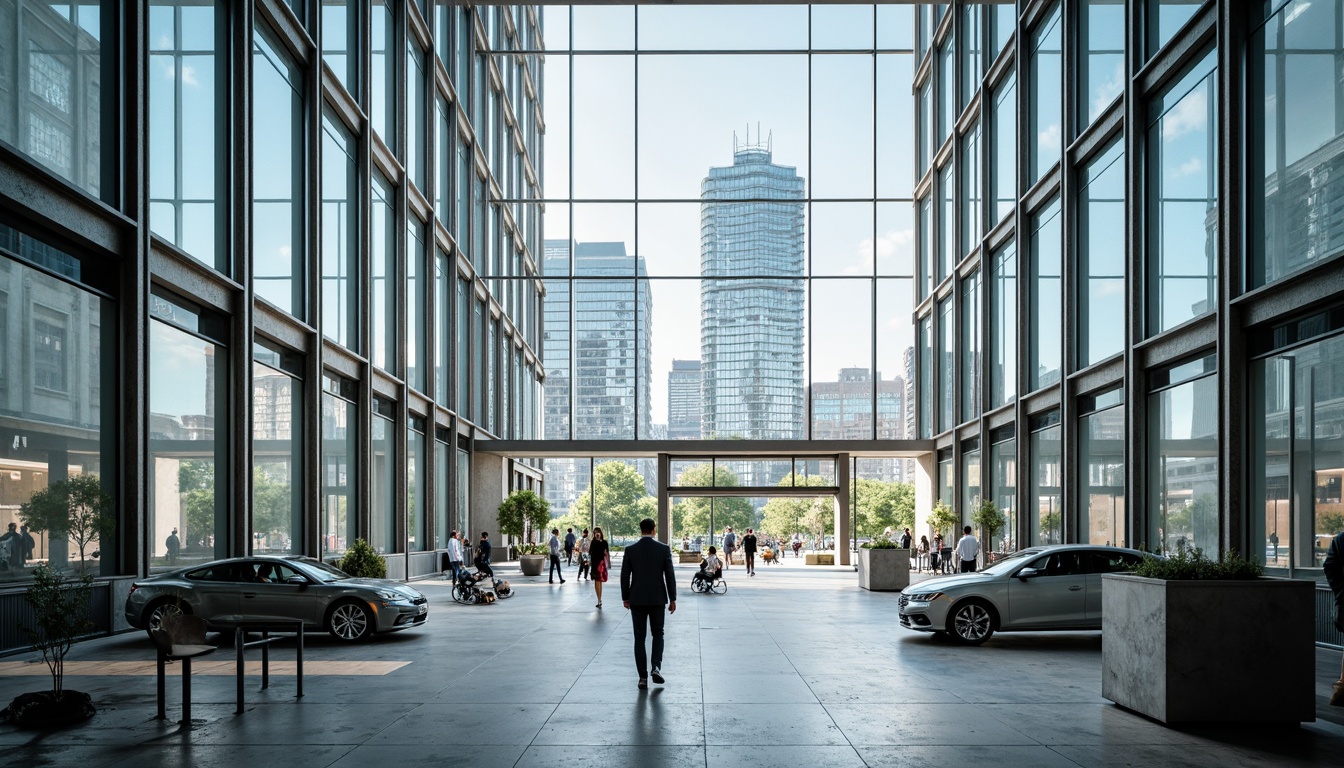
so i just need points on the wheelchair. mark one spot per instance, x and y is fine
(704, 584)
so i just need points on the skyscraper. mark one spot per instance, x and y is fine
(604, 313)
(683, 400)
(752, 298)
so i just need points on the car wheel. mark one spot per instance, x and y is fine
(350, 621)
(971, 622)
(163, 607)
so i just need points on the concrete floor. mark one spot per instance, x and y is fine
(795, 666)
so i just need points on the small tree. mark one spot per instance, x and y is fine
(76, 508)
(522, 510)
(989, 519)
(942, 518)
(363, 561)
(60, 608)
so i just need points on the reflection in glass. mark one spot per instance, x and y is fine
(1182, 176)
(340, 41)
(947, 240)
(340, 235)
(340, 456)
(416, 525)
(1165, 19)
(925, 389)
(187, 456)
(51, 84)
(186, 180)
(1003, 326)
(278, 220)
(443, 498)
(1047, 261)
(1101, 465)
(970, 191)
(444, 267)
(971, 389)
(947, 355)
(1101, 257)
(1183, 467)
(971, 14)
(1046, 142)
(383, 503)
(1297, 180)
(383, 73)
(417, 313)
(1003, 165)
(970, 482)
(947, 86)
(1003, 17)
(1046, 479)
(1003, 480)
(1101, 65)
(416, 109)
(382, 264)
(277, 458)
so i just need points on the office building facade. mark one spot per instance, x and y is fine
(683, 400)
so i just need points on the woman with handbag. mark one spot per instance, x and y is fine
(599, 554)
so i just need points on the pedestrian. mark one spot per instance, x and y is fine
(455, 555)
(749, 550)
(483, 556)
(648, 582)
(14, 542)
(968, 549)
(923, 550)
(729, 547)
(889, 533)
(29, 544)
(797, 543)
(685, 543)
(554, 544)
(699, 543)
(936, 552)
(600, 553)
(905, 539)
(569, 546)
(584, 544)
(1334, 574)
(174, 546)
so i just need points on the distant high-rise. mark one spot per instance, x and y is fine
(604, 314)
(843, 410)
(683, 400)
(752, 298)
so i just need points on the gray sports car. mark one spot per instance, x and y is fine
(1054, 587)
(226, 592)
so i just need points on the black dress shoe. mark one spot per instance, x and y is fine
(643, 683)
(657, 675)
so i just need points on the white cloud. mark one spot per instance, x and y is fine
(1192, 167)
(189, 76)
(1189, 115)
(891, 245)
(1049, 138)
(1107, 91)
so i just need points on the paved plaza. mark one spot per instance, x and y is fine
(796, 666)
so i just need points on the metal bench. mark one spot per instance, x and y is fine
(179, 637)
(240, 643)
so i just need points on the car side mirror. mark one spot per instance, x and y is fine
(1028, 573)
(296, 580)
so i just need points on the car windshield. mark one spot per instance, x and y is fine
(324, 572)
(1009, 562)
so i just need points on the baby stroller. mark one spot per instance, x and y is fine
(708, 582)
(476, 588)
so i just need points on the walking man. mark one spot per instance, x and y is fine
(174, 545)
(647, 584)
(729, 547)
(454, 555)
(906, 538)
(554, 544)
(569, 546)
(749, 550)
(1334, 573)
(967, 550)
(483, 556)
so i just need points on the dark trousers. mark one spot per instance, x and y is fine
(968, 566)
(648, 617)
(583, 566)
(555, 568)
(455, 566)
(569, 555)
(750, 555)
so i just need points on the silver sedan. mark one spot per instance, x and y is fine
(1039, 588)
(227, 592)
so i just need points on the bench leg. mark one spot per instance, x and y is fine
(265, 661)
(186, 692)
(238, 641)
(300, 660)
(163, 714)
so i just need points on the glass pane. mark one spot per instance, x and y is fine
(947, 85)
(383, 73)
(1003, 481)
(555, 160)
(278, 220)
(1183, 424)
(1101, 75)
(927, 267)
(382, 454)
(971, 389)
(187, 463)
(970, 191)
(895, 27)
(1047, 298)
(691, 117)
(1003, 323)
(340, 41)
(603, 28)
(186, 179)
(840, 346)
(1047, 81)
(1101, 461)
(669, 238)
(277, 461)
(1165, 19)
(1101, 260)
(1183, 189)
(416, 311)
(1003, 170)
(895, 359)
(443, 500)
(947, 223)
(382, 255)
(840, 239)
(1046, 479)
(842, 26)
(1003, 17)
(842, 124)
(706, 27)
(603, 126)
(894, 251)
(416, 109)
(895, 130)
(971, 72)
(924, 118)
(925, 389)
(340, 456)
(416, 538)
(947, 355)
(340, 236)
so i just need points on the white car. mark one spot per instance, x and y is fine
(1036, 589)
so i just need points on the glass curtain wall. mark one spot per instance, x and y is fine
(277, 451)
(1101, 258)
(1047, 298)
(1003, 326)
(340, 460)
(1101, 470)
(279, 255)
(417, 537)
(1183, 453)
(1003, 484)
(1046, 106)
(382, 478)
(1047, 468)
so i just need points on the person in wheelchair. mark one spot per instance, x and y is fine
(711, 568)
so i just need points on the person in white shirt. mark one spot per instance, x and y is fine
(455, 555)
(968, 549)
(712, 567)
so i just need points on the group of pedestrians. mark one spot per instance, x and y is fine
(966, 552)
(593, 554)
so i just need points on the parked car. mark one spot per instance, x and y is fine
(1054, 587)
(225, 592)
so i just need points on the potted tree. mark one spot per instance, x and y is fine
(60, 609)
(520, 511)
(990, 521)
(884, 566)
(76, 509)
(1191, 639)
(363, 561)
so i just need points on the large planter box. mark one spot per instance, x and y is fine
(818, 559)
(687, 556)
(1209, 651)
(884, 570)
(532, 564)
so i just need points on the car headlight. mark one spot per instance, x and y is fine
(925, 597)
(388, 595)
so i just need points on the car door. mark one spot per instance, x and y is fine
(214, 591)
(274, 597)
(1054, 597)
(1100, 563)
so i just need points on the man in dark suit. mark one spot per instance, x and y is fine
(647, 584)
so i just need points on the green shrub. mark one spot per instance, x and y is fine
(521, 510)
(61, 609)
(882, 543)
(361, 561)
(1192, 564)
(943, 519)
(534, 549)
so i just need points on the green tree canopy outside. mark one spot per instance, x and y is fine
(618, 499)
(784, 516)
(523, 509)
(76, 508)
(271, 503)
(196, 483)
(692, 514)
(878, 504)
(943, 520)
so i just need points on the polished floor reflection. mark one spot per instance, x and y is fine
(794, 666)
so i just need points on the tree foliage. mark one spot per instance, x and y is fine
(878, 504)
(271, 503)
(617, 498)
(693, 514)
(76, 508)
(61, 609)
(363, 561)
(521, 510)
(196, 483)
(943, 520)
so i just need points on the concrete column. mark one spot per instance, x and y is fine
(664, 503)
(925, 467)
(841, 542)
(489, 486)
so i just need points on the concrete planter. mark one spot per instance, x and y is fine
(884, 570)
(532, 564)
(1209, 651)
